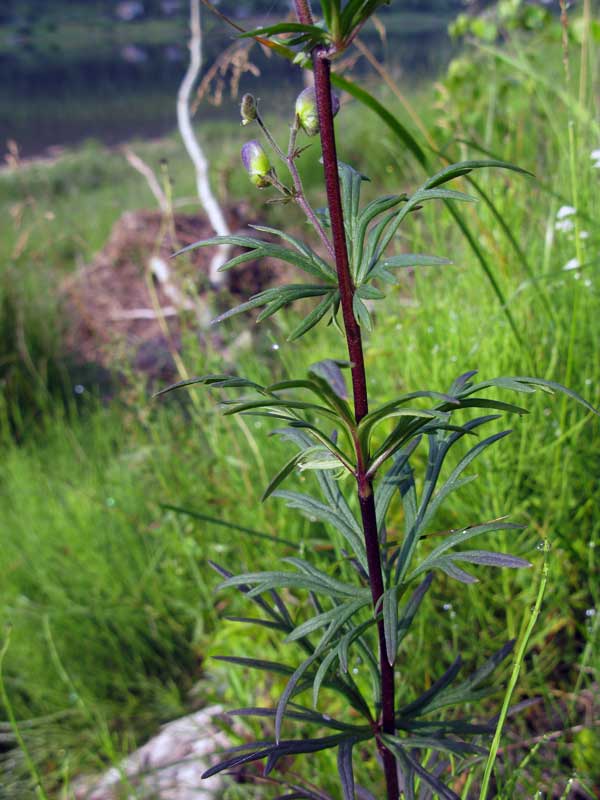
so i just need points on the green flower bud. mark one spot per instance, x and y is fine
(256, 162)
(248, 109)
(306, 110)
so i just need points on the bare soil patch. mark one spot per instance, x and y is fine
(126, 306)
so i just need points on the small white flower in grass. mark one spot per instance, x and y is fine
(595, 156)
(564, 225)
(584, 235)
(565, 211)
(573, 263)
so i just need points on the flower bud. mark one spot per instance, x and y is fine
(248, 109)
(306, 110)
(256, 162)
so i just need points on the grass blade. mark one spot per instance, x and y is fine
(519, 656)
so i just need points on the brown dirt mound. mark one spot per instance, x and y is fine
(110, 304)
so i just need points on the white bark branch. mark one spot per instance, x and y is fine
(184, 121)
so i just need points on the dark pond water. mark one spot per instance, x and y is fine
(67, 81)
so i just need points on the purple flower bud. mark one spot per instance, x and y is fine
(256, 162)
(306, 110)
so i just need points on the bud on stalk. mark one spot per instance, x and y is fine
(306, 110)
(256, 163)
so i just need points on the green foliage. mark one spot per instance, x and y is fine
(351, 612)
(426, 325)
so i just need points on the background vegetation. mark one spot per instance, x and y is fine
(107, 593)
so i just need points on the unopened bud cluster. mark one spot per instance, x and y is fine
(255, 160)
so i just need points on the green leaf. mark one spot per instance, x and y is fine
(201, 380)
(422, 195)
(459, 537)
(230, 525)
(322, 584)
(321, 674)
(257, 663)
(468, 690)
(327, 580)
(300, 246)
(490, 559)
(443, 744)
(279, 615)
(344, 611)
(390, 623)
(305, 259)
(237, 241)
(422, 702)
(361, 313)
(368, 423)
(413, 260)
(302, 714)
(390, 120)
(409, 764)
(384, 491)
(276, 298)
(314, 32)
(464, 167)
(286, 470)
(286, 298)
(329, 370)
(410, 609)
(366, 292)
(447, 565)
(454, 481)
(343, 522)
(288, 691)
(345, 771)
(265, 623)
(557, 387)
(283, 748)
(315, 316)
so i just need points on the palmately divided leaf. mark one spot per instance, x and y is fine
(341, 518)
(423, 702)
(471, 689)
(460, 537)
(329, 303)
(344, 611)
(316, 581)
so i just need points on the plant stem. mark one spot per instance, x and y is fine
(322, 70)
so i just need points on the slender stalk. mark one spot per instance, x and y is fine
(514, 676)
(322, 71)
(298, 194)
